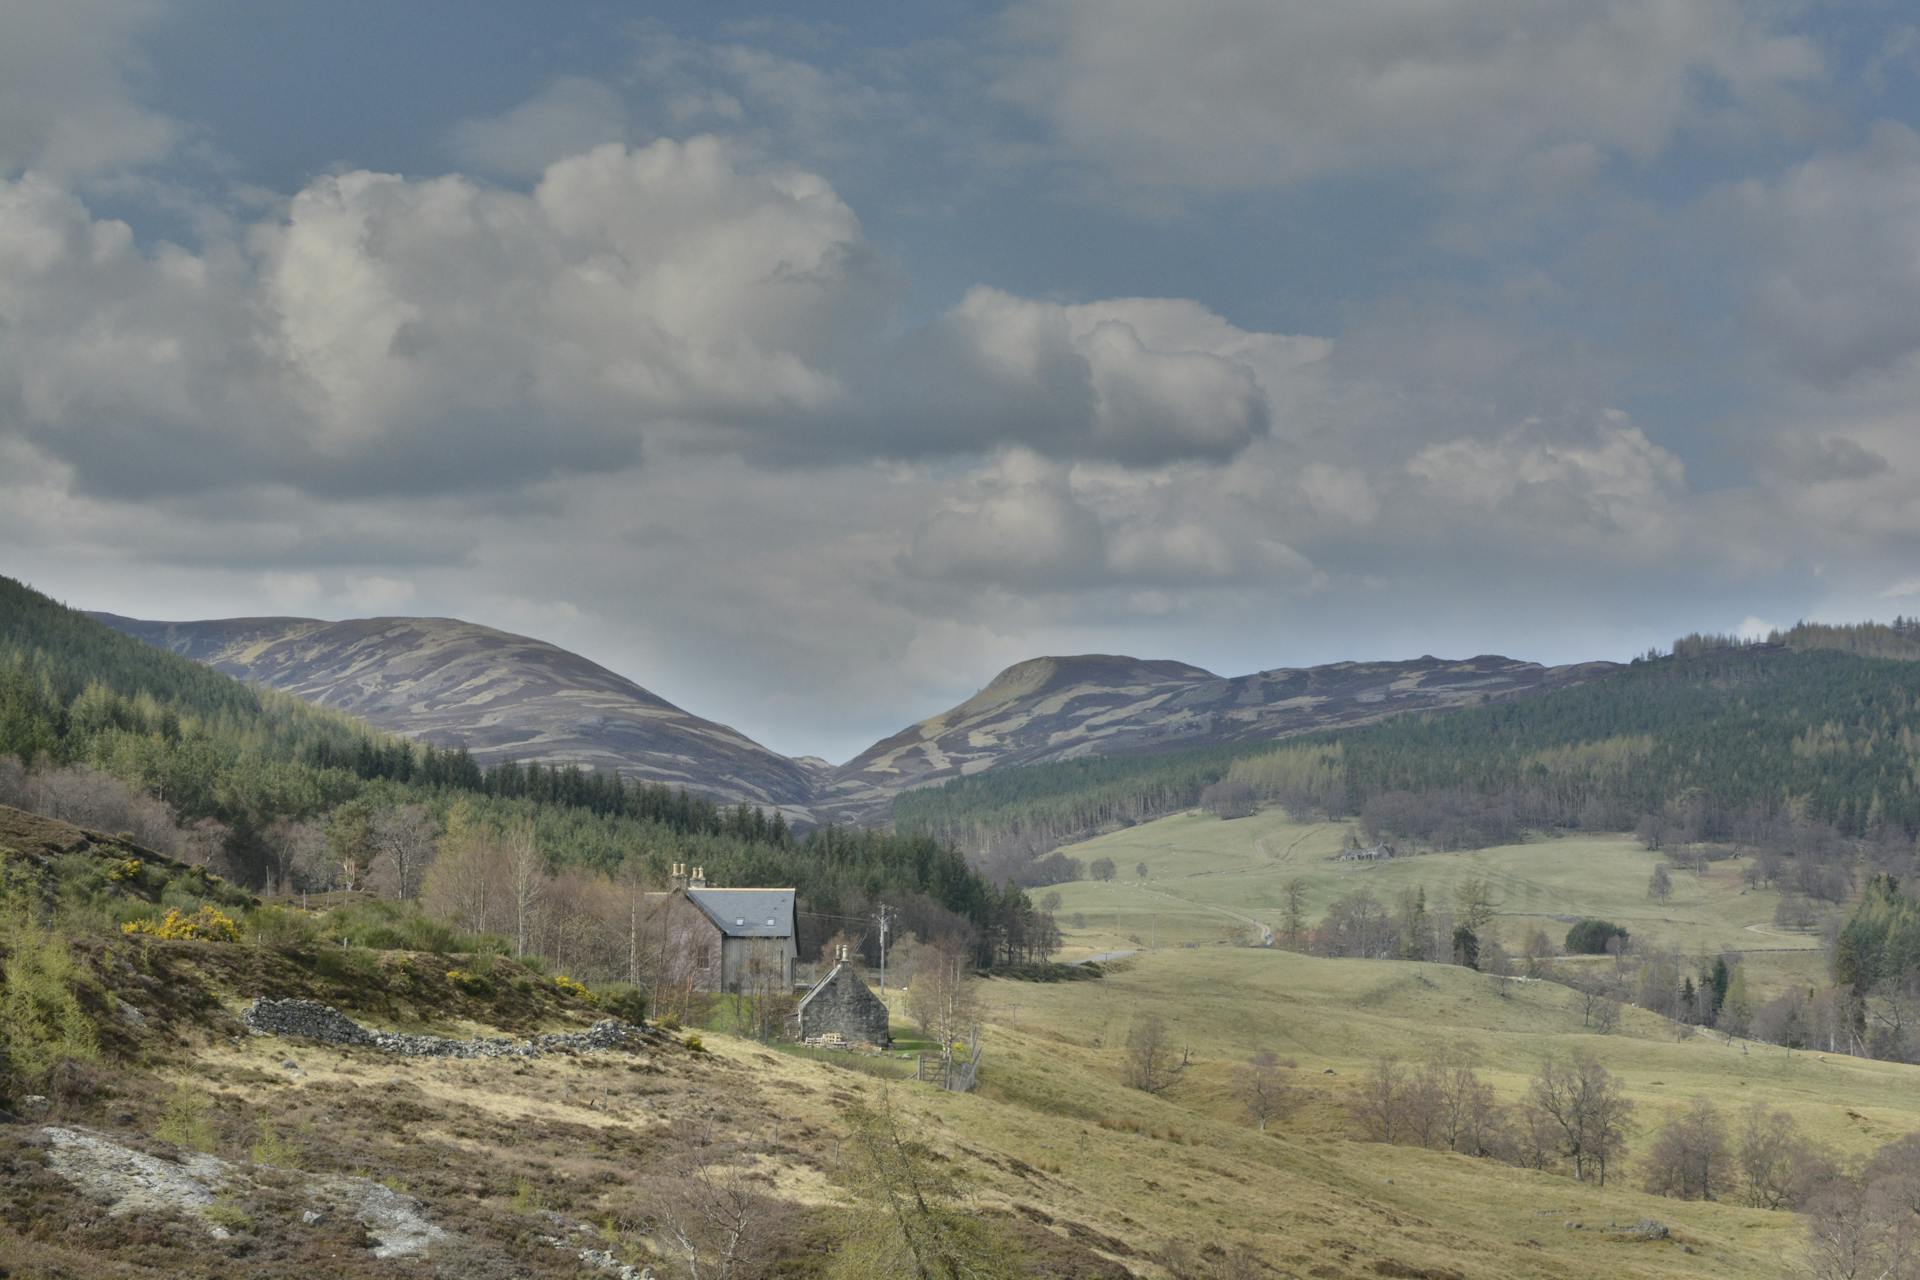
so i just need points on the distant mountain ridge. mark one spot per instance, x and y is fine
(502, 696)
(1059, 708)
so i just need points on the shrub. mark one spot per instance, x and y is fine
(570, 987)
(623, 1001)
(280, 927)
(694, 1043)
(121, 872)
(471, 983)
(208, 924)
(382, 925)
(41, 1021)
(184, 1123)
(1591, 937)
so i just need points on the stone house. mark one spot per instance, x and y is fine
(726, 940)
(842, 1003)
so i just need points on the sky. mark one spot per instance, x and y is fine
(809, 371)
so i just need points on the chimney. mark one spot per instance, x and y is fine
(677, 876)
(699, 879)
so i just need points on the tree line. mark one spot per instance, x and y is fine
(106, 731)
(1715, 740)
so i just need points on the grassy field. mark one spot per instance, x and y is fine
(1210, 881)
(1308, 1195)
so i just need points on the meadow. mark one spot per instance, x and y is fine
(1308, 1197)
(1212, 881)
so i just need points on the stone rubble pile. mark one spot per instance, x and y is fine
(312, 1020)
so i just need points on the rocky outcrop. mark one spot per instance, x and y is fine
(311, 1020)
(129, 1180)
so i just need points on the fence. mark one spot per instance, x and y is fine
(958, 1075)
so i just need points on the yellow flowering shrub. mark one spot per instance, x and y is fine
(578, 990)
(121, 872)
(208, 924)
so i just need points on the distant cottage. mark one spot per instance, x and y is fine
(840, 1006)
(1369, 853)
(728, 939)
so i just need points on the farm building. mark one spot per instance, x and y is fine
(727, 939)
(841, 1005)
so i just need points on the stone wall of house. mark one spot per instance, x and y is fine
(845, 1005)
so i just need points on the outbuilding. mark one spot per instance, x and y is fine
(841, 1005)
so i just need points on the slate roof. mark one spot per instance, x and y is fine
(747, 913)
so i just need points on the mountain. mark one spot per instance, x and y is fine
(1063, 708)
(501, 696)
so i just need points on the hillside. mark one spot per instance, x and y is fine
(501, 696)
(1723, 741)
(1052, 709)
(179, 1145)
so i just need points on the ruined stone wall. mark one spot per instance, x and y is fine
(312, 1020)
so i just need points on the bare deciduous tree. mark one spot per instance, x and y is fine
(1153, 1063)
(1381, 1107)
(1690, 1158)
(945, 997)
(526, 881)
(713, 1222)
(1779, 1169)
(1588, 1110)
(1264, 1091)
(402, 839)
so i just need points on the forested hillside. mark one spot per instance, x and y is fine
(501, 696)
(105, 731)
(1706, 742)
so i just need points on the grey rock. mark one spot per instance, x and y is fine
(315, 1021)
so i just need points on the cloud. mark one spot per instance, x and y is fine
(1837, 243)
(1234, 94)
(1609, 477)
(66, 107)
(1019, 525)
(1025, 523)
(1142, 381)
(571, 115)
(387, 334)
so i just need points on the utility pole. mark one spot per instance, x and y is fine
(882, 920)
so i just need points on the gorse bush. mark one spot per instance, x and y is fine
(578, 990)
(208, 924)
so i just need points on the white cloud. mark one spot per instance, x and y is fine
(1244, 93)
(1609, 477)
(571, 115)
(1018, 524)
(65, 104)
(1904, 589)
(388, 334)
